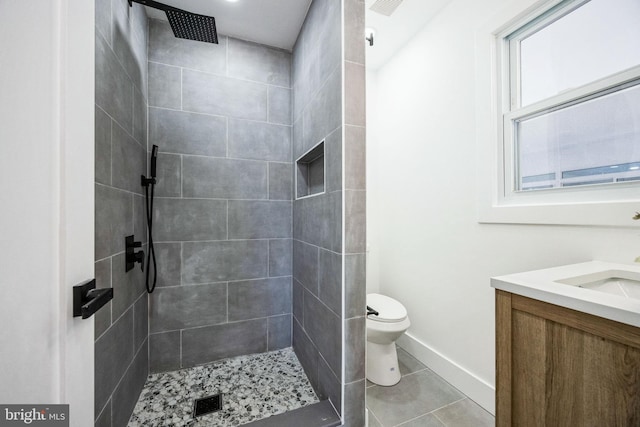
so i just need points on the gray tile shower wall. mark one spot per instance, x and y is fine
(317, 219)
(329, 235)
(354, 184)
(221, 116)
(121, 327)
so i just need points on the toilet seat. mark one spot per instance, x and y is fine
(389, 310)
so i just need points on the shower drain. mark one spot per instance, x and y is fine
(207, 405)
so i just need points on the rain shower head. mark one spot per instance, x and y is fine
(186, 25)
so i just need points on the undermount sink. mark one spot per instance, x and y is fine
(604, 289)
(616, 282)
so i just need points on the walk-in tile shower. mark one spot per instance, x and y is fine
(245, 266)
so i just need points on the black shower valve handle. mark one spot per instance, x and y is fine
(372, 311)
(131, 256)
(139, 257)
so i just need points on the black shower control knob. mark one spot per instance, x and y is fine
(131, 256)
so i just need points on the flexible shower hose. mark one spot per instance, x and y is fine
(151, 253)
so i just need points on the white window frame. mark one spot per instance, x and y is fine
(499, 201)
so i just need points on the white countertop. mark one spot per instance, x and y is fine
(543, 285)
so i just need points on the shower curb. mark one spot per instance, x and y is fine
(319, 414)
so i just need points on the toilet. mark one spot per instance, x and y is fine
(383, 330)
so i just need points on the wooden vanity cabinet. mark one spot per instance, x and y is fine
(560, 367)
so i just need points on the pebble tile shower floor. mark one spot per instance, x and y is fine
(253, 387)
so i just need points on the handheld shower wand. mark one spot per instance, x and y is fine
(149, 184)
(146, 182)
(154, 160)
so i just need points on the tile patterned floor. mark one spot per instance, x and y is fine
(254, 387)
(422, 399)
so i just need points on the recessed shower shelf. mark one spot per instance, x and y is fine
(310, 172)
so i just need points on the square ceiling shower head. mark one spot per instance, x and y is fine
(187, 25)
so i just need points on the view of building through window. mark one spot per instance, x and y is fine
(593, 142)
(567, 133)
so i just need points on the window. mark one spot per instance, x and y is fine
(571, 101)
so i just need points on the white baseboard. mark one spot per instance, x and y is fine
(475, 388)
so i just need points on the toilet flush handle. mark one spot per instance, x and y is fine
(372, 311)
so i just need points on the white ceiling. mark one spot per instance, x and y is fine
(278, 22)
(270, 22)
(393, 32)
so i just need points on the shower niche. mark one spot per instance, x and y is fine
(310, 172)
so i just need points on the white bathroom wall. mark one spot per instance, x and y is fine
(46, 199)
(29, 351)
(428, 249)
(373, 167)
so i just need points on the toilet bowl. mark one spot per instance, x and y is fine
(383, 330)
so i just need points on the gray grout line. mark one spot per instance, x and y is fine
(113, 119)
(426, 368)
(103, 409)
(445, 406)
(209, 73)
(226, 142)
(228, 158)
(432, 412)
(267, 333)
(412, 419)
(318, 247)
(220, 324)
(181, 262)
(110, 149)
(318, 274)
(268, 181)
(417, 372)
(268, 109)
(221, 116)
(262, 239)
(181, 365)
(133, 359)
(120, 62)
(118, 189)
(374, 416)
(175, 110)
(268, 258)
(105, 258)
